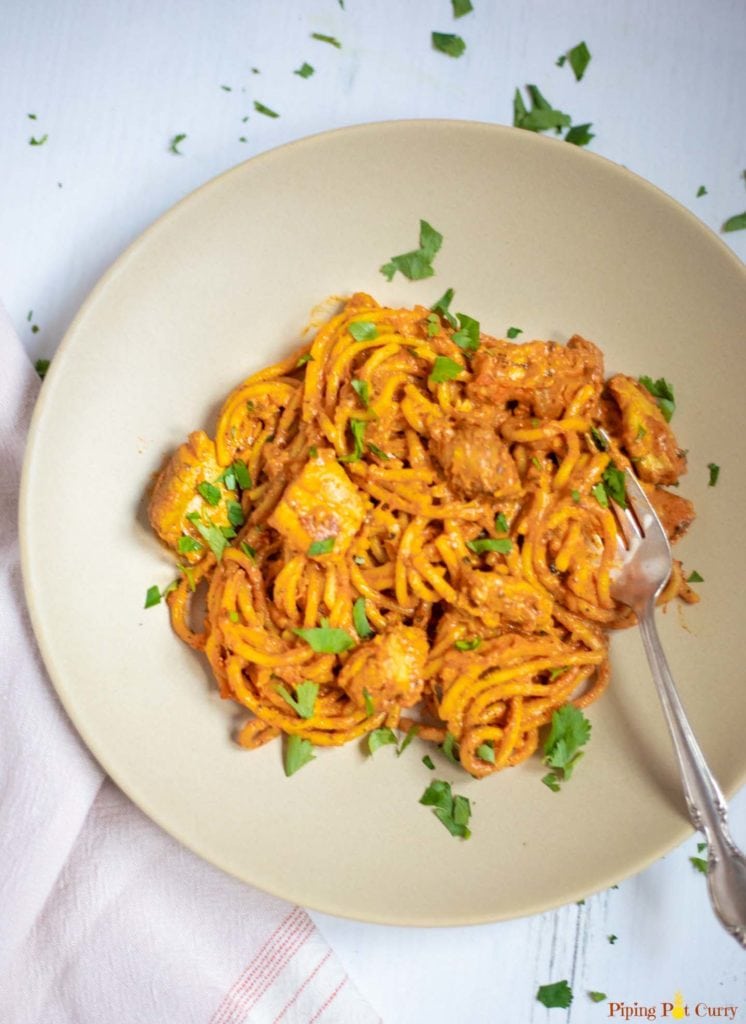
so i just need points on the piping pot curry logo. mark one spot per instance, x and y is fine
(677, 1009)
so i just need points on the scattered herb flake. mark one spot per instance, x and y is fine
(235, 514)
(215, 537)
(579, 57)
(326, 39)
(453, 811)
(558, 993)
(209, 492)
(38, 142)
(552, 782)
(305, 70)
(615, 484)
(175, 143)
(326, 639)
(701, 191)
(449, 43)
(612, 939)
(152, 597)
(428, 762)
(580, 134)
(472, 644)
(597, 997)
(321, 547)
(487, 752)
(502, 545)
(449, 747)
(569, 731)
(714, 473)
(433, 325)
(307, 358)
(694, 577)
(461, 7)
(501, 523)
(662, 391)
(411, 733)
(542, 115)
(298, 752)
(599, 493)
(358, 430)
(370, 708)
(513, 332)
(360, 619)
(735, 223)
(441, 307)
(226, 88)
(261, 108)
(248, 550)
(700, 864)
(444, 369)
(304, 701)
(233, 615)
(380, 738)
(362, 390)
(41, 366)
(467, 336)
(187, 544)
(32, 117)
(378, 452)
(418, 263)
(575, 495)
(363, 330)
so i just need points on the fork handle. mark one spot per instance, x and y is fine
(726, 875)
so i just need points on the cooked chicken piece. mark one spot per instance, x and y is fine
(390, 669)
(541, 375)
(320, 503)
(175, 495)
(475, 459)
(505, 601)
(647, 438)
(675, 513)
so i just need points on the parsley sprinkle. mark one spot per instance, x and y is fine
(226, 88)
(428, 762)
(487, 752)
(210, 493)
(580, 135)
(735, 223)
(215, 537)
(304, 71)
(378, 452)
(461, 7)
(233, 615)
(260, 108)
(248, 550)
(449, 747)
(513, 332)
(433, 325)
(326, 39)
(298, 752)
(380, 738)
(714, 473)
(694, 577)
(41, 366)
(597, 997)
(501, 523)
(152, 597)
(542, 115)
(447, 42)
(453, 811)
(662, 391)
(552, 782)
(575, 495)
(579, 57)
(561, 60)
(612, 938)
(615, 484)
(38, 142)
(31, 117)
(370, 708)
(467, 336)
(441, 307)
(444, 369)
(175, 142)
(569, 731)
(701, 191)
(558, 993)
(235, 514)
(325, 639)
(418, 263)
(360, 619)
(502, 545)
(468, 645)
(362, 390)
(599, 493)
(700, 864)
(321, 547)
(313, 452)
(363, 330)
(188, 544)
(304, 701)
(358, 430)
(307, 358)
(411, 733)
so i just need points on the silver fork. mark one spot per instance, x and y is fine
(644, 572)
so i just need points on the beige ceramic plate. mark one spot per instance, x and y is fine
(538, 234)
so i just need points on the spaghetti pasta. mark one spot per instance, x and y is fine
(406, 523)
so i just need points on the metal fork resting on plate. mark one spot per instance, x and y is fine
(645, 568)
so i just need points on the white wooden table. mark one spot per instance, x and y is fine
(111, 83)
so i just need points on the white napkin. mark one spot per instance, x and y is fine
(104, 919)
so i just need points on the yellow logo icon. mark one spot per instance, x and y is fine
(678, 1012)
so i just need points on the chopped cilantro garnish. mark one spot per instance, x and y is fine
(325, 639)
(513, 332)
(449, 747)
(467, 336)
(561, 60)
(501, 523)
(248, 550)
(175, 143)
(153, 596)
(417, 264)
(363, 330)
(599, 493)
(233, 615)
(558, 993)
(187, 544)
(41, 366)
(575, 495)
(714, 473)
(542, 115)
(360, 619)
(242, 475)
(362, 390)
(304, 71)
(487, 752)
(580, 135)
(358, 430)
(461, 7)
(452, 810)
(468, 645)
(597, 997)
(226, 88)
(428, 762)
(615, 484)
(735, 223)
(552, 782)
(700, 864)
(701, 191)
(441, 307)
(307, 358)
(448, 42)
(260, 108)
(662, 392)
(370, 708)
(380, 738)
(304, 700)
(326, 39)
(38, 142)
(612, 939)
(694, 577)
(215, 537)
(378, 452)
(209, 492)
(579, 58)
(411, 733)
(235, 514)
(321, 547)
(599, 440)
(502, 545)
(31, 117)
(570, 730)
(298, 752)
(433, 325)
(444, 369)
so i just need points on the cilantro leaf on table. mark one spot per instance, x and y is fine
(569, 731)
(735, 223)
(417, 264)
(331, 40)
(175, 143)
(558, 993)
(461, 7)
(453, 811)
(298, 752)
(449, 43)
